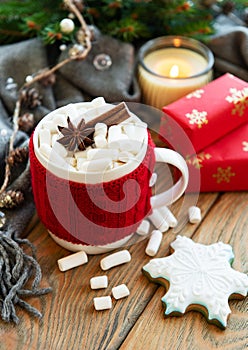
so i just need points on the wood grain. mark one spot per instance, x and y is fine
(226, 221)
(70, 321)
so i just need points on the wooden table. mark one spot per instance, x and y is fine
(136, 322)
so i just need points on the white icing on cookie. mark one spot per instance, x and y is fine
(199, 274)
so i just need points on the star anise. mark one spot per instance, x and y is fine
(76, 137)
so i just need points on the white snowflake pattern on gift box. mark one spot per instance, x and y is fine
(198, 118)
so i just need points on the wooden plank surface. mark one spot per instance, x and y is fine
(70, 321)
(227, 222)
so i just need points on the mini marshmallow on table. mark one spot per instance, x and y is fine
(168, 216)
(154, 243)
(143, 228)
(73, 260)
(115, 259)
(194, 215)
(158, 221)
(102, 303)
(120, 291)
(99, 282)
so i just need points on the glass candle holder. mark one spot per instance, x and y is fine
(170, 67)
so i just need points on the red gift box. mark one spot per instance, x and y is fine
(223, 165)
(205, 115)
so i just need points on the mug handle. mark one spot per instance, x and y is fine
(175, 192)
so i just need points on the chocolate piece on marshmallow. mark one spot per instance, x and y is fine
(115, 115)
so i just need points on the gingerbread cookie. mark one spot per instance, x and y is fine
(198, 277)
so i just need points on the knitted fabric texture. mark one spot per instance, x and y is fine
(92, 214)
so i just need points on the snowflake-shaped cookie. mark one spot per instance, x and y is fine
(200, 277)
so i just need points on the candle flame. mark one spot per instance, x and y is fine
(174, 71)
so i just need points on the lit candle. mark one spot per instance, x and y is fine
(171, 67)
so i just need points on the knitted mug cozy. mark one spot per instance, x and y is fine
(79, 213)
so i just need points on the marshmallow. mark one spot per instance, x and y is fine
(120, 142)
(98, 102)
(120, 291)
(51, 155)
(143, 228)
(45, 136)
(136, 132)
(71, 160)
(54, 139)
(101, 129)
(129, 129)
(102, 303)
(158, 221)
(117, 164)
(194, 215)
(97, 165)
(114, 132)
(100, 141)
(45, 150)
(95, 153)
(81, 154)
(115, 259)
(99, 282)
(125, 144)
(49, 124)
(60, 149)
(154, 243)
(125, 156)
(71, 111)
(80, 162)
(72, 261)
(60, 119)
(168, 216)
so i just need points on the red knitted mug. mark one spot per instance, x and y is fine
(98, 211)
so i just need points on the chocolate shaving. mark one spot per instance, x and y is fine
(114, 116)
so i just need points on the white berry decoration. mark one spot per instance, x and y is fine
(67, 26)
(200, 277)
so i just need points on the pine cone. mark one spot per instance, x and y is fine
(30, 98)
(11, 199)
(26, 122)
(228, 7)
(18, 155)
